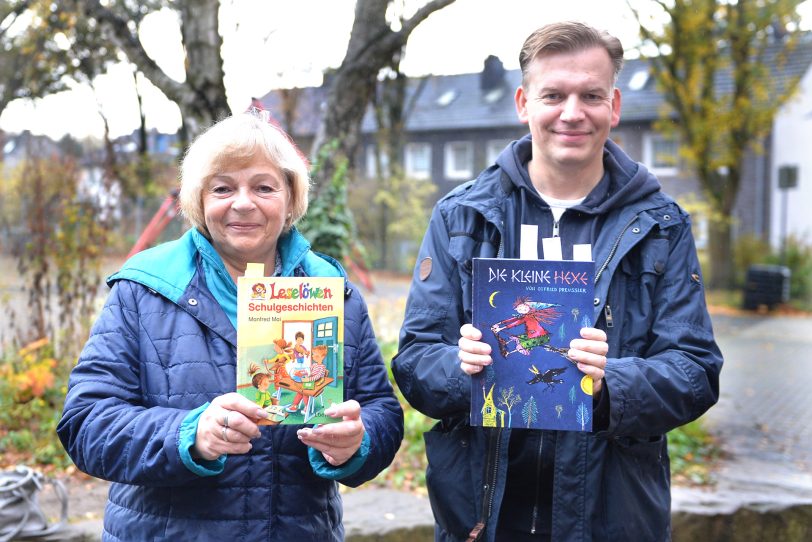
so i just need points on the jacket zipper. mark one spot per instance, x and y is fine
(535, 515)
(489, 486)
(607, 313)
(614, 248)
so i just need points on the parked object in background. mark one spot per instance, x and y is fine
(20, 513)
(766, 285)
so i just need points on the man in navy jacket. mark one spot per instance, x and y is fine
(652, 355)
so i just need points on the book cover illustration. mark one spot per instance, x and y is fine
(529, 311)
(290, 346)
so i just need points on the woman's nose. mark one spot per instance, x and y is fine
(243, 200)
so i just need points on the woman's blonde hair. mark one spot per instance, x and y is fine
(234, 143)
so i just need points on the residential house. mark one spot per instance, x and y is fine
(455, 125)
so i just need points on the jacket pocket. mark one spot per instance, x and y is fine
(637, 500)
(450, 478)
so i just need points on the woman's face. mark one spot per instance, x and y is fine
(245, 212)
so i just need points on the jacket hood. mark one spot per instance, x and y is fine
(169, 268)
(624, 181)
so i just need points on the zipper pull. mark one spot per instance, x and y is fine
(607, 312)
(555, 228)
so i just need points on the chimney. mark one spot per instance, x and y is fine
(493, 74)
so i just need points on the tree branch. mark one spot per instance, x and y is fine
(128, 41)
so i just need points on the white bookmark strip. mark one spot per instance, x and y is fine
(255, 270)
(582, 253)
(552, 248)
(529, 242)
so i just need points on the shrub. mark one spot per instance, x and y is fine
(32, 392)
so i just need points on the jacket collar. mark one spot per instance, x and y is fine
(169, 268)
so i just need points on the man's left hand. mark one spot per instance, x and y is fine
(589, 353)
(339, 441)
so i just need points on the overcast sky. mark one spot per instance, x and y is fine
(280, 43)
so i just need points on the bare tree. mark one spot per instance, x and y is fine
(373, 45)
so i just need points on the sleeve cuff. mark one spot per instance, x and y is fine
(186, 441)
(600, 410)
(325, 470)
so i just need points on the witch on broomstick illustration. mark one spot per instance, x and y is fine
(533, 315)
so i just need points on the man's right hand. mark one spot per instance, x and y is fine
(474, 354)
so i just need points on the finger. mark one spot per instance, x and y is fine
(595, 347)
(587, 358)
(470, 332)
(348, 410)
(470, 369)
(474, 347)
(593, 372)
(338, 431)
(243, 405)
(336, 447)
(593, 334)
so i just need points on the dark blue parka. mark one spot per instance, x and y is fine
(162, 347)
(662, 369)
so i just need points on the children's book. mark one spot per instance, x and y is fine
(529, 311)
(290, 346)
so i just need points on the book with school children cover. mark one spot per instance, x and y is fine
(290, 346)
(529, 311)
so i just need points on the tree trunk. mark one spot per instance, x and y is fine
(202, 97)
(205, 102)
(373, 44)
(720, 250)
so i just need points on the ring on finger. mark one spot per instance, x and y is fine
(225, 420)
(225, 434)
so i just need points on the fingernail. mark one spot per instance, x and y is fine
(262, 413)
(330, 412)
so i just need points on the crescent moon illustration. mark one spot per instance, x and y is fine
(490, 299)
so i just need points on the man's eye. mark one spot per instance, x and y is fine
(551, 97)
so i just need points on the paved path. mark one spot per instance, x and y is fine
(762, 418)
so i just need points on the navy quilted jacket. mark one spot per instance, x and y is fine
(162, 347)
(662, 370)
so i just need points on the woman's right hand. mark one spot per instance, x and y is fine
(474, 354)
(227, 426)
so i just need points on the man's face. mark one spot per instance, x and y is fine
(570, 104)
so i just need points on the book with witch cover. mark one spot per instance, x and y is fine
(529, 311)
(290, 346)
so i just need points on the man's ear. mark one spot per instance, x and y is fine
(520, 98)
(616, 101)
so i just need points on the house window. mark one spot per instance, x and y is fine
(417, 160)
(459, 159)
(661, 154)
(493, 149)
(371, 165)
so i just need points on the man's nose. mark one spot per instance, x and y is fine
(572, 109)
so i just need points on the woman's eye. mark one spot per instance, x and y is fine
(220, 189)
(265, 189)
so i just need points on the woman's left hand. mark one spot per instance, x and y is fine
(339, 441)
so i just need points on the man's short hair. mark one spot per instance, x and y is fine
(235, 143)
(568, 37)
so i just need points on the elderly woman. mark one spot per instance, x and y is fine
(151, 403)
